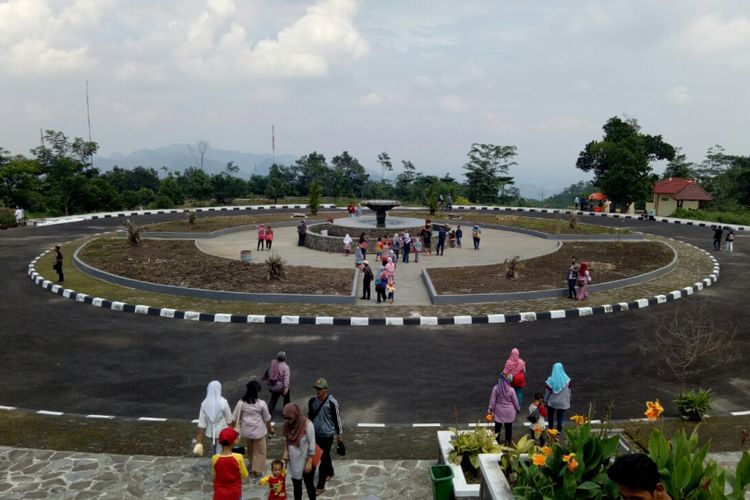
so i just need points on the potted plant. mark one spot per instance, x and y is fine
(467, 445)
(694, 405)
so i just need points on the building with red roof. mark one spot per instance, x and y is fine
(675, 192)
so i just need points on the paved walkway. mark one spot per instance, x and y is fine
(495, 248)
(27, 473)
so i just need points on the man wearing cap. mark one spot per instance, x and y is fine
(277, 376)
(325, 413)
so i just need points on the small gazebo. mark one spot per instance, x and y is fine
(676, 192)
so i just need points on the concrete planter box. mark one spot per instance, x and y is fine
(461, 489)
(494, 484)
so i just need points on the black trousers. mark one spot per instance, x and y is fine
(326, 464)
(366, 289)
(440, 249)
(508, 432)
(60, 274)
(261, 244)
(275, 399)
(572, 288)
(380, 292)
(308, 478)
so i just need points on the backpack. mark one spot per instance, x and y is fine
(519, 380)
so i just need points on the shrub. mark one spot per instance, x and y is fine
(7, 218)
(467, 445)
(461, 200)
(276, 267)
(162, 201)
(738, 217)
(694, 404)
(314, 201)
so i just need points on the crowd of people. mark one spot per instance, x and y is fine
(308, 438)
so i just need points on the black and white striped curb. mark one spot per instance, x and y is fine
(359, 425)
(577, 312)
(112, 215)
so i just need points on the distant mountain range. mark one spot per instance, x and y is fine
(178, 157)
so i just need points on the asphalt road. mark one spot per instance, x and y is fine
(56, 354)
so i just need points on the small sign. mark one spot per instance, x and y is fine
(246, 255)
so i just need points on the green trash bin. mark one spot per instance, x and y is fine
(442, 482)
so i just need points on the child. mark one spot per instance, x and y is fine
(229, 468)
(538, 418)
(391, 289)
(269, 237)
(261, 237)
(276, 481)
(459, 235)
(379, 247)
(417, 248)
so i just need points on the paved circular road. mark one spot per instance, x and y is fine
(65, 356)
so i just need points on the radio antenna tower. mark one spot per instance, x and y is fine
(88, 119)
(273, 144)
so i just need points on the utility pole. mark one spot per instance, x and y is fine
(273, 144)
(88, 119)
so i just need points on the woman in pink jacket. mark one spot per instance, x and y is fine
(503, 408)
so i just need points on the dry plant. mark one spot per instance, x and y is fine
(191, 218)
(511, 268)
(135, 232)
(690, 342)
(276, 267)
(573, 220)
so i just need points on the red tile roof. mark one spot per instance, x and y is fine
(682, 189)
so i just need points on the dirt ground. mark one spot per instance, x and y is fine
(607, 262)
(179, 263)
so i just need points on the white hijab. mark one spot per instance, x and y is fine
(347, 239)
(213, 405)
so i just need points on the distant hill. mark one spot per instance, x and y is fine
(177, 157)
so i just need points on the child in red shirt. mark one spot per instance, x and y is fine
(276, 481)
(229, 468)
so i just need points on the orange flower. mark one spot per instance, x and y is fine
(578, 419)
(567, 458)
(537, 431)
(552, 433)
(546, 450)
(538, 459)
(488, 418)
(653, 410)
(572, 464)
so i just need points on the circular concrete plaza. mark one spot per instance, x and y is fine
(66, 356)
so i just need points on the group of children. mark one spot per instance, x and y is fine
(265, 237)
(229, 470)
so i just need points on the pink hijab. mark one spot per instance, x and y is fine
(390, 268)
(514, 364)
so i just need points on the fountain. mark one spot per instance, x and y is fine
(381, 207)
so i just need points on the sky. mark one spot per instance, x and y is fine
(420, 79)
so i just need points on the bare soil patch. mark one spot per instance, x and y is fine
(180, 263)
(608, 261)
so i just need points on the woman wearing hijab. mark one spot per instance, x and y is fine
(515, 368)
(214, 416)
(557, 395)
(584, 278)
(252, 414)
(390, 270)
(347, 244)
(299, 433)
(503, 407)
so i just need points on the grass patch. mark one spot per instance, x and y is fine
(724, 433)
(207, 224)
(741, 218)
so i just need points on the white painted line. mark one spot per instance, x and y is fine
(117, 306)
(462, 320)
(141, 309)
(480, 424)
(192, 315)
(256, 318)
(528, 316)
(394, 321)
(740, 413)
(359, 321)
(194, 421)
(45, 412)
(9, 408)
(324, 320)
(428, 320)
(642, 303)
(222, 318)
(289, 320)
(97, 301)
(557, 314)
(425, 425)
(100, 416)
(167, 313)
(585, 311)
(370, 425)
(152, 419)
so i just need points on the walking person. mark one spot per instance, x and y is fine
(396, 246)
(367, 277)
(214, 415)
(515, 368)
(380, 286)
(278, 376)
(261, 237)
(572, 278)
(58, 265)
(269, 237)
(459, 235)
(325, 413)
(228, 468)
(583, 280)
(301, 232)
(299, 435)
(417, 248)
(557, 395)
(20, 216)
(442, 233)
(476, 235)
(347, 244)
(254, 420)
(407, 247)
(730, 241)
(503, 408)
(363, 245)
(718, 233)
(426, 234)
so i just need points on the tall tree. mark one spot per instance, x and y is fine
(385, 164)
(350, 175)
(309, 169)
(622, 160)
(277, 185)
(65, 165)
(679, 166)
(487, 171)
(19, 182)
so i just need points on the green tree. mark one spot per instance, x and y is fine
(195, 183)
(487, 171)
(311, 169)
(405, 180)
(170, 188)
(133, 180)
(19, 181)
(385, 164)
(349, 176)
(277, 186)
(226, 186)
(679, 166)
(65, 166)
(566, 197)
(622, 160)
(314, 202)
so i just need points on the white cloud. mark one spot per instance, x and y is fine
(713, 34)
(566, 124)
(678, 95)
(451, 104)
(222, 8)
(373, 99)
